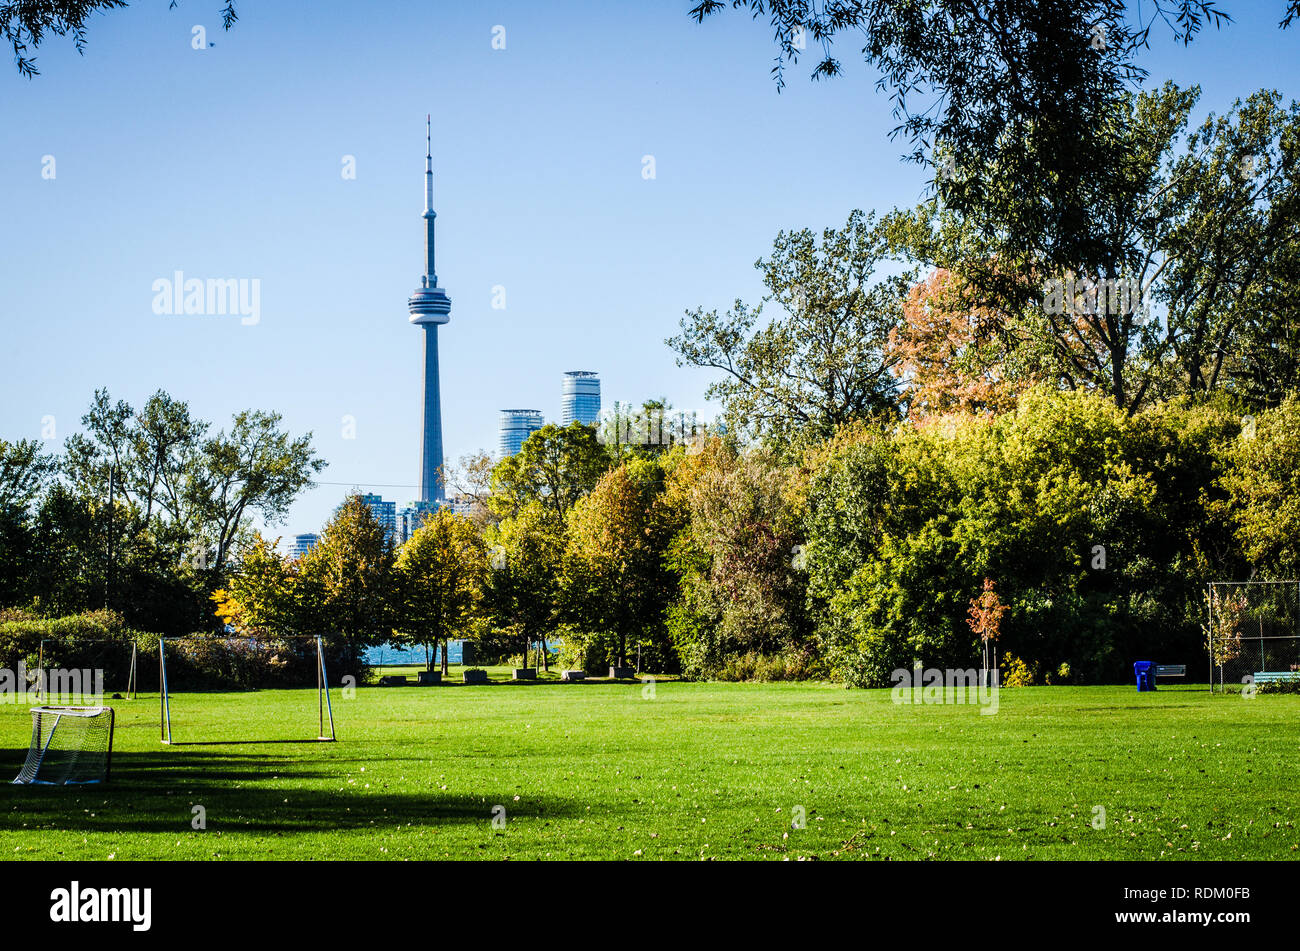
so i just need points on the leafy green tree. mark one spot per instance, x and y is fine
(24, 471)
(1008, 101)
(67, 574)
(616, 580)
(522, 589)
(739, 557)
(439, 578)
(1188, 279)
(825, 361)
(255, 468)
(556, 466)
(345, 589)
(1263, 485)
(24, 24)
(164, 471)
(260, 598)
(1092, 523)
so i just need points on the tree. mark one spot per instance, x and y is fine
(952, 354)
(616, 580)
(470, 481)
(67, 569)
(257, 467)
(826, 361)
(1095, 523)
(738, 558)
(164, 474)
(1263, 484)
(1188, 283)
(522, 593)
(1013, 96)
(24, 471)
(984, 618)
(439, 576)
(345, 580)
(24, 24)
(260, 597)
(556, 466)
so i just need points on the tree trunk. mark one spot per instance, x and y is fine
(546, 662)
(445, 643)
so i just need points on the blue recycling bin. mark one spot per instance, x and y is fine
(1145, 672)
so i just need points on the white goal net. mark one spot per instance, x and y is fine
(70, 745)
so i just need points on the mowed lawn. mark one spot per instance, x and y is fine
(600, 770)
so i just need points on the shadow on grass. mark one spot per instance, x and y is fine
(574, 684)
(246, 742)
(156, 792)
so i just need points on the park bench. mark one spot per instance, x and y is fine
(1274, 676)
(393, 680)
(1171, 670)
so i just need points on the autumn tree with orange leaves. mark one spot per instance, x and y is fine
(952, 353)
(985, 620)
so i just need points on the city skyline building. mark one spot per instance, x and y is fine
(514, 427)
(385, 513)
(430, 306)
(302, 544)
(580, 398)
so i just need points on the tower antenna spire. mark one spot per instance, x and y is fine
(428, 162)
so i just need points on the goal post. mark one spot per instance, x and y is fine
(69, 746)
(81, 670)
(325, 731)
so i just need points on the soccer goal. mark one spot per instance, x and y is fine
(1253, 632)
(294, 658)
(85, 671)
(70, 746)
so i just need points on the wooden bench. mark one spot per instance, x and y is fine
(1171, 670)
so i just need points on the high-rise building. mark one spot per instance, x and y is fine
(385, 513)
(580, 398)
(515, 426)
(430, 306)
(302, 544)
(410, 517)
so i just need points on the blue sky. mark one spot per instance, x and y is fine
(226, 162)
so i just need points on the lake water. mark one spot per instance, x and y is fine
(399, 654)
(395, 654)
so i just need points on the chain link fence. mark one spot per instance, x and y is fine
(1253, 628)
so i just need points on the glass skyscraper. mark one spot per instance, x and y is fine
(580, 398)
(302, 544)
(385, 513)
(515, 426)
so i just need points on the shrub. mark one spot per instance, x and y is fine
(65, 637)
(1018, 673)
(752, 666)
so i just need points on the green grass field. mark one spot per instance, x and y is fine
(597, 770)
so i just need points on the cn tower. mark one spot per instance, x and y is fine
(430, 306)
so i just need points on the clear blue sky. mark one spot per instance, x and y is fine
(226, 162)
